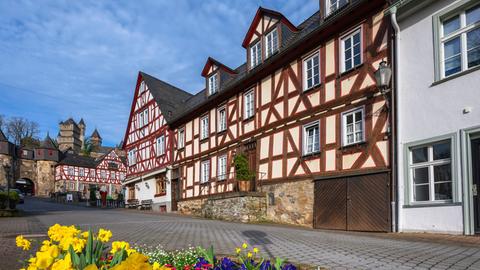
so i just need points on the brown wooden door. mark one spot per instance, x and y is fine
(358, 203)
(331, 204)
(175, 194)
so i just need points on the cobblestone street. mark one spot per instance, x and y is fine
(333, 250)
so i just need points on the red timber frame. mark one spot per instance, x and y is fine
(143, 139)
(282, 108)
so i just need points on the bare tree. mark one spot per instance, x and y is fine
(19, 128)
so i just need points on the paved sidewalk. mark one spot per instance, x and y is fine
(330, 249)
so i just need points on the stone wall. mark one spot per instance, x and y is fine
(243, 207)
(291, 202)
(45, 177)
(4, 160)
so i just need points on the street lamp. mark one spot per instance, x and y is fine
(383, 75)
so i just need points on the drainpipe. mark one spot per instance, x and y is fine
(395, 117)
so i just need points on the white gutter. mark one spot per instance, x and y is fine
(397, 145)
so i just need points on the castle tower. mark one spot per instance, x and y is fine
(6, 158)
(47, 157)
(82, 127)
(69, 136)
(96, 139)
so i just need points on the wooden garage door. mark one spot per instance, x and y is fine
(358, 203)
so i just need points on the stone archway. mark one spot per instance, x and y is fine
(26, 185)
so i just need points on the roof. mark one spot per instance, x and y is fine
(69, 121)
(96, 134)
(3, 138)
(168, 97)
(81, 122)
(47, 143)
(74, 159)
(260, 13)
(210, 62)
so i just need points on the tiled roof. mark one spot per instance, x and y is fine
(95, 134)
(47, 143)
(3, 138)
(74, 159)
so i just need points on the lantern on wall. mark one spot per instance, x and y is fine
(383, 76)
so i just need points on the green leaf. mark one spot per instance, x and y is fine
(74, 256)
(278, 263)
(88, 249)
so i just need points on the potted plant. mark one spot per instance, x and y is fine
(14, 198)
(243, 174)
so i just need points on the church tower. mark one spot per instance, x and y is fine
(96, 139)
(69, 136)
(82, 127)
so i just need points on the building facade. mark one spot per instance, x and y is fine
(78, 173)
(303, 110)
(438, 59)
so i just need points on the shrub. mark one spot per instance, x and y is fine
(242, 169)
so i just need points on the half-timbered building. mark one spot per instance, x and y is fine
(148, 141)
(304, 111)
(75, 172)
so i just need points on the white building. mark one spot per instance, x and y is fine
(438, 115)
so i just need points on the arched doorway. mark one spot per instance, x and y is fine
(26, 186)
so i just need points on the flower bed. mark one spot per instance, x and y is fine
(68, 248)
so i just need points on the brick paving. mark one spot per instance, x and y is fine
(330, 249)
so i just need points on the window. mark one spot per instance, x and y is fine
(255, 54)
(161, 187)
(271, 43)
(141, 88)
(460, 41)
(431, 172)
(181, 138)
(205, 171)
(311, 71)
(103, 174)
(334, 5)
(212, 84)
(92, 173)
(351, 50)
(161, 145)
(143, 118)
(122, 176)
(131, 193)
(81, 172)
(353, 127)
(249, 104)
(71, 171)
(222, 119)
(204, 130)
(132, 158)
(311, 139)
(222, 167)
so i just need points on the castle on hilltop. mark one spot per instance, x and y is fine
(37, 170)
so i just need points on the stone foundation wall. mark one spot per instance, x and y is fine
(45, 178)
(4, 160)
(290, 203)
(243, 207)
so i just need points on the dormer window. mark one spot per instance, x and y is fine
(141, 88)
(255, 54)
(212, 84)
(334, 5)
(271, 43)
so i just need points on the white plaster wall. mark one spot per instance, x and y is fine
(428, 111)
(149, 193)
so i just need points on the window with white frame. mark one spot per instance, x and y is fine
(81, 172)
(334, 5)
(311, 138)
(311, 71)
(255, 54)
(249, 104)
(204, 129)
(460, 41)
(92, 173)
(103, 174)
(222, 119)
(71, 171)
(132, 158)
(222, 167)
(181, 138)
(205, 171)
(161, 145)
(143, 118)
(351, 50)
(212, 84)
(431, 172)
(353, 126)
(271, 43)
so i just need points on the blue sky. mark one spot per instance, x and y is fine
(61, 59)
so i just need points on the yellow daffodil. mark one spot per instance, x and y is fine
(84, 235)
(238, 250)
(91, 267)
(249, 255)
(104, 235)
(119, 245)
(255, 250)
(63, 264)
(44, 260)
(156, 266)
(22, 242)
(244, 245)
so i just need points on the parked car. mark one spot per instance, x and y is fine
(21, 196)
